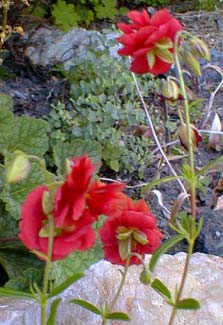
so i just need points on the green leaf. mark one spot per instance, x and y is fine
(64, 150)
(15, 293)
(212, 164)
(29, 135)
(65, 284)
(65, 15)
(156, 182)
(118, 315)
(87, 305)
(163, 249)
(75, 262)
(106, 9)
(24, 133)
(53, 311)
(161, 289)
(6, 101)
(21, 267)
(114, 165)
(188, 303)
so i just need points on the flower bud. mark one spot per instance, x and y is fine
(199, 48)
(47, 203)
(191, 62)
(170, 91)
(145, 277)
(19, 168)
(183, 136)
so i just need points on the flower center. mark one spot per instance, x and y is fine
(162, 51)
(128, 239)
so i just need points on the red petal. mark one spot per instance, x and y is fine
(140, 19)
(161, 17)
(124, 28)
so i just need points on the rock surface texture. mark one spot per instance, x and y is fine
(143, 304)
(48, 47)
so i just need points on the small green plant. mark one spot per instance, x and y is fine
(66, 14)
(105, 110)
(208, 4)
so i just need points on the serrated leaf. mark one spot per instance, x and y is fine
(106, 9)
(118, 315)
(87, 305)
(62, 151)
(161, 289)
(24, 133)
(53, 311)
(163, 249)
(15, 294)
(6, 101)
(188, 303)
(75, 262)
(29, 135)
(65, 15)
(65, 284)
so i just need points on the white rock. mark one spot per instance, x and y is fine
(50, 46)
(143, 304)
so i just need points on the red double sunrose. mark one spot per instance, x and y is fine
(133, 230)
(77, 204)
(149, 41)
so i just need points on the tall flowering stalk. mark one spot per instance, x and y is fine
(153, 44)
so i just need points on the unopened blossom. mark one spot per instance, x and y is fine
(183, 136)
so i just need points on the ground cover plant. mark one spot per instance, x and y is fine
(60, 212)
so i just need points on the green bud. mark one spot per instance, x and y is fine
(199, 48)
(170, 91)
(191, 62)
(145, 277)
(19, 168)
(47, 203)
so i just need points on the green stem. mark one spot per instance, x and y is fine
(193, 183)
(187, 121)
(44, 298)
(121, 283)
(183, 280)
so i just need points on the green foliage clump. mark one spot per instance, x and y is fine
(66, 14)
(151, 3)
(105, 110)
(30, 135)
(208, 4)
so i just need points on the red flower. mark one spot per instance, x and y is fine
(66, 239)
(149, 41)
(132, 231)
(105, 199)
(70, 199)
